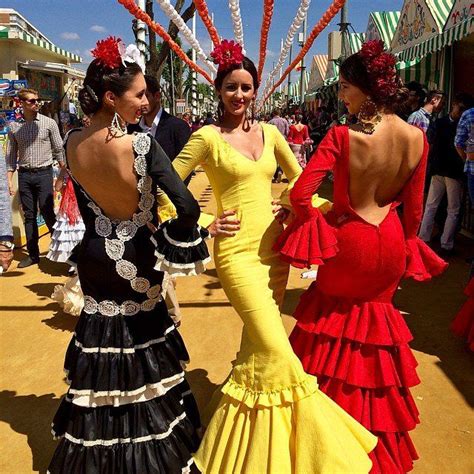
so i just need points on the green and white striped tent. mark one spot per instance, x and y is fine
(420, 22)
(458, 24)
(382, 25)
(329, 89)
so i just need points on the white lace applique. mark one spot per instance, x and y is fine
(114, 248)
(140, 165)
(154, 292)
(108, 308)
(141, 143)
(140, 285)
(103, 226)
(125, 231)
(146, 202)
(127, 270)
(111, 308)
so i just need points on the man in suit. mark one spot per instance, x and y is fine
(170, 132)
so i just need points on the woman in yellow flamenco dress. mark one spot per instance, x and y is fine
(270, 415)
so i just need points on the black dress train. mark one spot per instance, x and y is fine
(129, 408)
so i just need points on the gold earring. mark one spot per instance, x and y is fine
(369, 116)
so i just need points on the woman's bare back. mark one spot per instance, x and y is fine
(104, 168)
(380, 165)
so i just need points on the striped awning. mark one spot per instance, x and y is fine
(438, 42)
(16, 34)
(332, 73)
(382, 25)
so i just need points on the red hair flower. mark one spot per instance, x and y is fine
(380, 68)
(107, 52)
(372, 49)
(227, 54)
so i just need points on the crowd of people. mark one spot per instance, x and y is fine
(129, 224)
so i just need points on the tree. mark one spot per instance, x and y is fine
(181, 75)
(158, 57)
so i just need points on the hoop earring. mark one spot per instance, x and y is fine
(369, 116)
(118, 126)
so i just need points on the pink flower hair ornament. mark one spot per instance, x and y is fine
(227, 54)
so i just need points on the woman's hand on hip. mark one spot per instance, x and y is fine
(226, 225)
(281, 214)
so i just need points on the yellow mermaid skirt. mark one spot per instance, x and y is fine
(269, 416)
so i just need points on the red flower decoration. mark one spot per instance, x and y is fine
(107, 52)
(380, 68)
(371, 49)
(227, 54)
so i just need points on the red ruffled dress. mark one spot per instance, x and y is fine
(463, 324)
(348, 333)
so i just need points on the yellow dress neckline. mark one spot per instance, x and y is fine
(239, 152)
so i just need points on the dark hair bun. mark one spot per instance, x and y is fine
(89, 104)
(100, 79)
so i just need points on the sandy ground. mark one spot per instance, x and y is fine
(35, 334)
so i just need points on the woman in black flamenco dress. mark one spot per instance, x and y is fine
(129, 408)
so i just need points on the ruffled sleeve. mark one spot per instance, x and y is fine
(184, 257)
(309, 239)
(422, 263)
(180, 242)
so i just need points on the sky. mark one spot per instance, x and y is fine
(76, 25)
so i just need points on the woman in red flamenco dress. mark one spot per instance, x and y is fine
(463, 323)
(348, 333)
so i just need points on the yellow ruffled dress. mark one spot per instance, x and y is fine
(270, 416)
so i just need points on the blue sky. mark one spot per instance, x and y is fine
(76, 25)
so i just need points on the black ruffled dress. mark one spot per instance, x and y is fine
(129, 408)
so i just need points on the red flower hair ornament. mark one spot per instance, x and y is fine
(380, 68)
(227, 54)
(111, 52)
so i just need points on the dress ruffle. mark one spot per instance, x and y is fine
(463, 323)
(307, 241)
(375, 323)
(181, 257)
(153, 436)
(391, 409)
(136, 420)
(64, 239)
(422, 262)
(111, 371)
(359, 352)
(69, 296)
(394, 453)
(276, 430)
(361, 365)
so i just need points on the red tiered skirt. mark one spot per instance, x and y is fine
(463, 323)
(360, 355)
(349, 334)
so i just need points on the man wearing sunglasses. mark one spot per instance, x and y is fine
(33, 143)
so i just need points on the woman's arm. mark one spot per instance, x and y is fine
(309, 240)
(195, 152)
(422, 262)
(164, 175)
(288, 163)
(321, 162)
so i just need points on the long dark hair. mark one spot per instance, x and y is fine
(354, 70)
(246, 64)
(100, 79)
